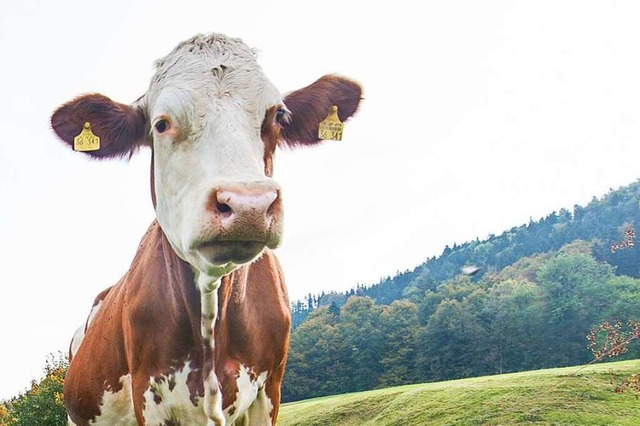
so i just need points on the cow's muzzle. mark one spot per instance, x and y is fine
(245, 218)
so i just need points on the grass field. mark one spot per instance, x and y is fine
(562, 396)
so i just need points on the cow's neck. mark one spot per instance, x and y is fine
(187, 283)
(208, 287)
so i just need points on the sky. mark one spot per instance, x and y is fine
(477, 117)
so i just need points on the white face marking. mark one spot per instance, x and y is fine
(117, 407)
(213, 136)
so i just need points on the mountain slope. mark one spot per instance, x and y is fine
(603, 222)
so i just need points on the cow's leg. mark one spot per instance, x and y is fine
(213, 401)
(259, 413)
(209, 313)
(272, 390)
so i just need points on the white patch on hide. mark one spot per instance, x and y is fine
(213, 400)
(208, 288)
(252, 406)
(260, 411)
(117, 407)
(174, 401)
(80, 332)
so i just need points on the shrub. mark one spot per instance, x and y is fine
(41, 404)
(612, 339)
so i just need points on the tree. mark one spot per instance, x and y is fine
(625, 299)
(577, 296)
(42, 404)
(314, 367)
(361, 342)
(6, 418)
(517, 316)
(399, 325)
(449, 346)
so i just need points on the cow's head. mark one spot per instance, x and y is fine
(213, 121)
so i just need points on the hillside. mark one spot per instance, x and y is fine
(564, 396)
(541, 289)
(602, 222)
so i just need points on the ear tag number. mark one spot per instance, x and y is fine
(86, 140)
(331, 127)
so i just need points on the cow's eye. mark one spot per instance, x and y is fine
(282, 115)
(161, 125)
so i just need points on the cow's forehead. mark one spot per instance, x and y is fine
(216, 65)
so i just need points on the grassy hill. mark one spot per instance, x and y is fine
(560, 396)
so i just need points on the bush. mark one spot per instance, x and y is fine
(42, 405)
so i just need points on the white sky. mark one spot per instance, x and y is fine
(478, 116)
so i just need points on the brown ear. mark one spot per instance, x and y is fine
(312, 104)
(121, 128)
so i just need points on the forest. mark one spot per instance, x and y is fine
(539, 291)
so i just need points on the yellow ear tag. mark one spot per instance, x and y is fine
(86, 140)
(331, 127)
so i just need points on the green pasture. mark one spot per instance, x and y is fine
(559, 396)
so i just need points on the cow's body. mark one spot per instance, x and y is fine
(196, 332)
(140, 323)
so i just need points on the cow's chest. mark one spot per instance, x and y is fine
(173, 399)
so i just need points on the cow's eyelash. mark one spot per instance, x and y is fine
(160, 125)
(283, 115)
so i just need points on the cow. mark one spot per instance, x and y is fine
(196, 332)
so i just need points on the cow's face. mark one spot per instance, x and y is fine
(207, 106)
(213, 121)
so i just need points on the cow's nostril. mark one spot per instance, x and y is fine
(245, 203)
(224, 209)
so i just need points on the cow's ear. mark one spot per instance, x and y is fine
(312, 104)
(121, 128)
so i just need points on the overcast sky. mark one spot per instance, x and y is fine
(478, 116)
